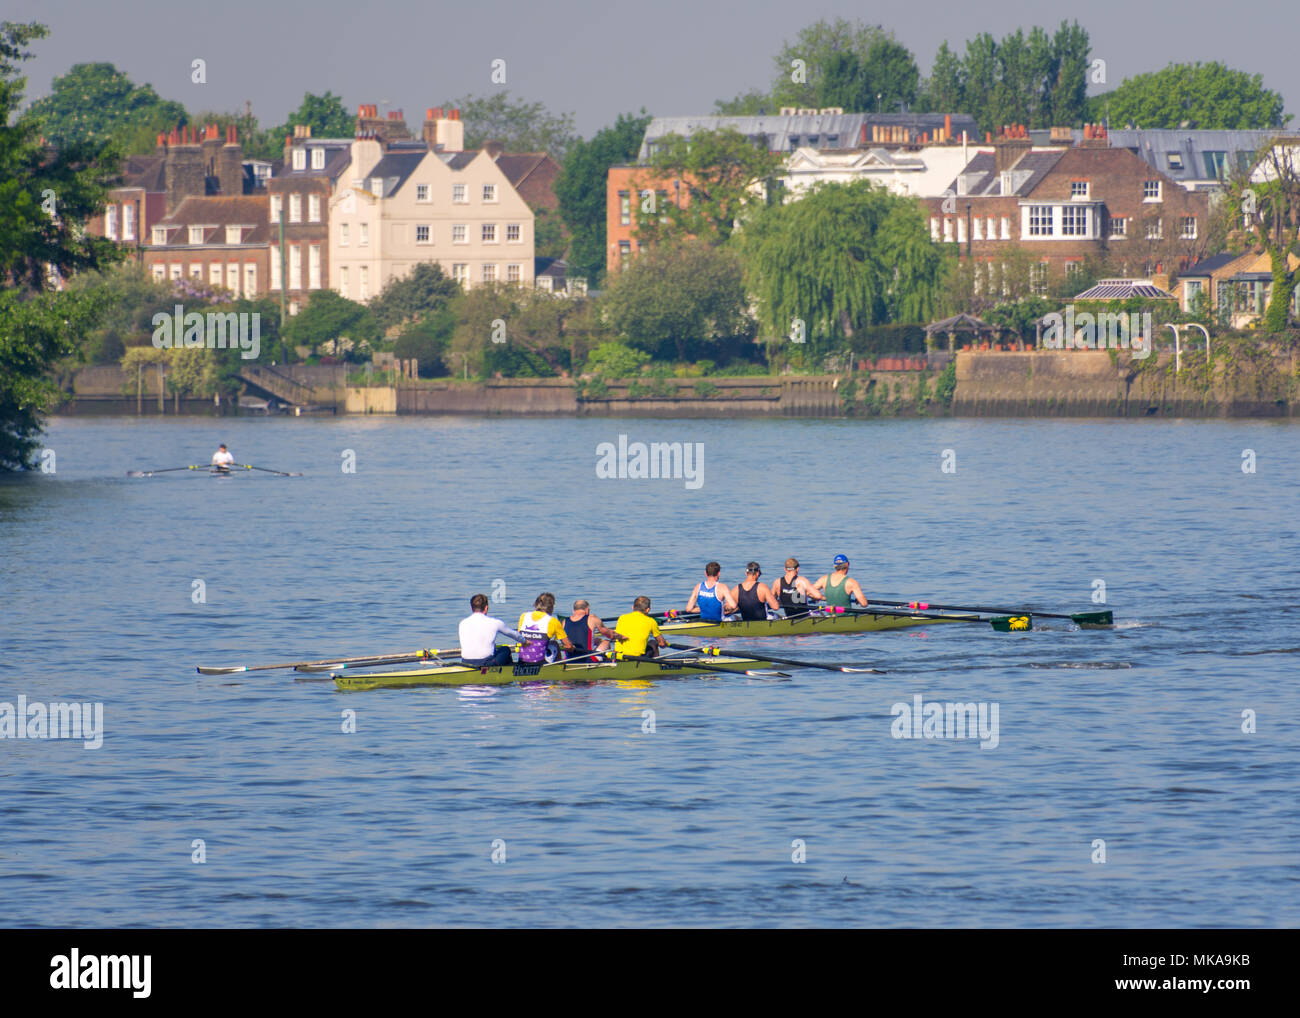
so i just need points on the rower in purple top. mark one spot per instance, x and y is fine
(711, 598)
(837, 586)
(754, 598)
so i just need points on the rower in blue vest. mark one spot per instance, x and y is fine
(711, 598)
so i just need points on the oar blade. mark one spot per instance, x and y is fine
(1012, 623)
(209, 670)
(1089, 620)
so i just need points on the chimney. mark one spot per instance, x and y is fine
(451, 132)
(230, 163)
(494, 149)
(1007, 151)
(183, 169)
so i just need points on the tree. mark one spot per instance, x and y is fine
(800, 84)
(720, 169)
(885, 79)
(45, 197)
(580, 188)
(519, 126)
(616, 360)
(684, 298)
(329, 318)
(511, 330)
(97, 103)
(1198, 95)
(427, 341)
(1270, 203)
(945, 91)
(842, 257)
(324, 114)
(424, 291)
(754, 103)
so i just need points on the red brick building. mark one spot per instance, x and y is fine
(627, 192)
(219, 241)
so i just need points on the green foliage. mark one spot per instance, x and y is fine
(616, 360)
(428, 341)
(1021, 316)
(129, 298)
(580, 188)
(422, 292)
(705, 390)
(883, 79)
(324, 114)
(753, 103)
(1198, 95)
(684, 299)
(946, 384)
(329, 318)
(98, 104)
(888, 338)
(819, 46)
(519, 126)
(843, 257)
(512, 331)
(549, 240)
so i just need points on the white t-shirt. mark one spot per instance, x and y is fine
(222, 459)
(478, 635)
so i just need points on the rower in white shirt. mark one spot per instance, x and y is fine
(222, 459)
(478, 633)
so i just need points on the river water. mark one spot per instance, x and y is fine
(1123, 744)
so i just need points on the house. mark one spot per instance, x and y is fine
(922, 172)
(1199, 284)
(431, 201)
(219, 241)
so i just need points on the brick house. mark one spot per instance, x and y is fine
(220, 241)
(626, 191)
(1062, 205)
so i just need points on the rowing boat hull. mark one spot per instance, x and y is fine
(583, 671)
(849, 622)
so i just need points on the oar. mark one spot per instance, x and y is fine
(165, 470)
(415, 655)
(278, 473)
(1101, 618)
(453, 654)
(760, 656)
(704, 667)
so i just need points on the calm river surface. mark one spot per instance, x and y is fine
(1132, 737)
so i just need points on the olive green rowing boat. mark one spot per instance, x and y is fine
(817, 622)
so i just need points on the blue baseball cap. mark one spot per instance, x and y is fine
(840, 560)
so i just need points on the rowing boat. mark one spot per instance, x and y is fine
(817, 622)
(559, 671)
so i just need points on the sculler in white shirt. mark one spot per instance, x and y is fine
(478, 633)
(222, 459)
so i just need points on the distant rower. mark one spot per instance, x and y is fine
(838, 586)
(582, 628)
(794, 591)
(221, 459)
(711, 596)
(478, 633)
(634, 630)
(753, 597)
(539, 628)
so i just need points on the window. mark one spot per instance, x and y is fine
(663, 205)
(1119, 226)
(459, 234)
(460, 272)
(196, 270)
(295, 208)
(196, 235)
(277, 202)
(512, 274)
(110, 222)
(947, 229)
(234, 234)
(1073, 268)
(1188, 231)
(624, 250)
(1216, 164)
(422, 233)
(343, 234)
(421, 192)
(128, 222)
(992, 233)
(343, 281)
(489, 273)
(318, 158)
(214, 271)
(1040, 220)
(458, 194)
(512, 233)
(363, 290)
(934, 228)
(313, 267)
(300, 159)
(232, 278)
(160, 272)
(624, 208)
(250, 279)
(295, 266)
(313, 208)
(1079, 190)
(1074, 222)
(363, 234)
(1038, 278)
(812, 139)
(961, 230)
(160, 235)
(977, 226)
(1150, 190)
(490, 194)
(1006, 227)
(1174, 160)
(1154, 231)
(489, 233)
(275, 269)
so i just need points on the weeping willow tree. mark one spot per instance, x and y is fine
(843, 257)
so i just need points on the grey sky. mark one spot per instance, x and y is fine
(593, 59)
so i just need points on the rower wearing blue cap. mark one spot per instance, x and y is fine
(838, 587)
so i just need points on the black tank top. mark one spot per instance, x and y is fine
(792, 601)
(751, 608)
(579, 634)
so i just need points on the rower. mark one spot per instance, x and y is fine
(540, 630)
(633, 631)
(837, 586)
(582, 628)
(753, 597)
(478, 632)
(222, 459)
(711, 597)
(794, 591)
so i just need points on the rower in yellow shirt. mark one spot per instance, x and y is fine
(634, 630)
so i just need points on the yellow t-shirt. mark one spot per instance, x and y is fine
(554, 628)
(638, 627)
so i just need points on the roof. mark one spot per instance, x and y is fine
(338, 158)
(961, 323)
(1201, 155)
(1120, 289)
(782, 133)
(458, 160)
(243, 210)
(394, 168)
(1208, 265)
(983, 179)
(533, 175)
(144, 171)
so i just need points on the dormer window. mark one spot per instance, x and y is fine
(160, 235)
(318, 158)
(377, 186)
(300, 159)
(234, 234)
(196, 235)
(1175, 160)
(1079, 190)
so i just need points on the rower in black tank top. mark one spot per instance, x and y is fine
(751, 608)
(793, 603)
(579, 634)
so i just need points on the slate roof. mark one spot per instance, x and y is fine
(988, 184)
(244, 210)
(1208, 265)
(394, 168)
(143, 171)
